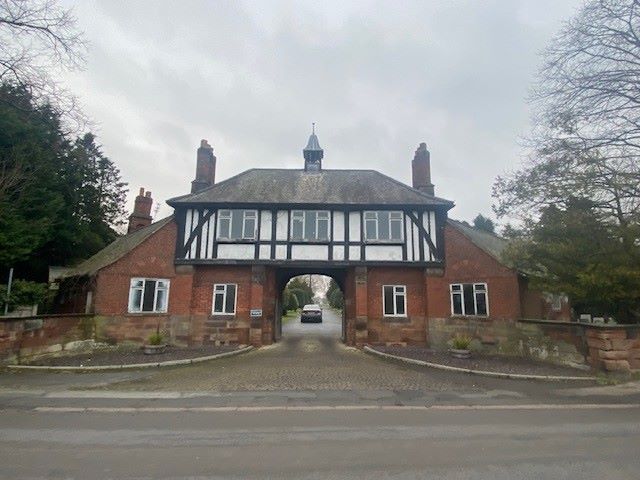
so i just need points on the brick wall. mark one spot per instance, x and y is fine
(28, 336)
(467, 263)
(409, 330)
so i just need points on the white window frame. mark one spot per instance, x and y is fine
(228, 214)
(224, 298)
(395, 293)
(144, 281)
(475, 302)
(373, 215)
(301, 215)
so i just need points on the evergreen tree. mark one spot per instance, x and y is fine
(484, 223)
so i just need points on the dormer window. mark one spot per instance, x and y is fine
(237, 224)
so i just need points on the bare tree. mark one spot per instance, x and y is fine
(39, 40)
(586, 136)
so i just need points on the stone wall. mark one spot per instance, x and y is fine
(29, 336)
(614, 349)
(567, 343)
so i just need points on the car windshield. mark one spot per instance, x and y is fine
(311, 307)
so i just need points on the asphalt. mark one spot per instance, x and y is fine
(545, 443)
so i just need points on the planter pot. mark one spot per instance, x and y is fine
(154, 349)
(459, 353)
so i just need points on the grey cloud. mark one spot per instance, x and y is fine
(377, 77)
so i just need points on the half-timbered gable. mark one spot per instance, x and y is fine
(278, 215)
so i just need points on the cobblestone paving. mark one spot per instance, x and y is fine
(311, 360)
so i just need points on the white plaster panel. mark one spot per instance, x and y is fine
(203, 236)
(385, 253)
(236, 251)
(338, 226)
(408, 240)
(265, 225)
(281, 252)
(354, 227)
(310, 252)
(354, 253)
(432, 221)
(282, 222)
(265, 252)
(338, 252)
(212, 224)
(194, 224)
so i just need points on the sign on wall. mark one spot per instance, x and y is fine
(256, 313)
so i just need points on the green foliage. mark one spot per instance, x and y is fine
(461, 342)
(575, 251)
(484, 223)
(334, 295)
(60, 198)
(289, 300)
(302, 290)
(155, 339)
(24, 293)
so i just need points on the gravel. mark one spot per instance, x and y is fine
(491, 363)
(128, 356)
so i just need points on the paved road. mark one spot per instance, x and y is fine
(330, 327)
(323, 444)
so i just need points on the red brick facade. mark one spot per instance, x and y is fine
(189, 318)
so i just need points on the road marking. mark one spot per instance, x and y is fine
(304, 408)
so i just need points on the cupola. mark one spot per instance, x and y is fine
(313, 153)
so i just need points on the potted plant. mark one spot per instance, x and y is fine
(155, 344)
(460, 346)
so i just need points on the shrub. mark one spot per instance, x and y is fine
(156, 339)
(461, 342)
(24, 292)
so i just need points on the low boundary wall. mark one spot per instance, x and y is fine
(22, 337)
(604, 347)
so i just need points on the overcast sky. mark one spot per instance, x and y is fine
(378, 78)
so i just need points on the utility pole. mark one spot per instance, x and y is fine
(6, 304)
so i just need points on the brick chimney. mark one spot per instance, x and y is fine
(205, 168)
(421, 170)
(141, 215)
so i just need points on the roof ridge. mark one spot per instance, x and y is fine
(226, 180)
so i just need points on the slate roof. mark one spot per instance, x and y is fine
(489, 242)
(116, 249)
(326, 187)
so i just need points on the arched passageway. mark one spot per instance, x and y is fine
(333, 324)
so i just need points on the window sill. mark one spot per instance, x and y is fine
(147, 314)
(395, 319)
(384, 242)
(239, 240)
(481, 317)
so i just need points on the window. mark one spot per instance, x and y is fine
(469, 299)
(148, 295)
(237, 224)
(224, 299)
(394, 300)
(310, 225)
(383, 226)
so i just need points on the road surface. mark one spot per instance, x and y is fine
(547, 443)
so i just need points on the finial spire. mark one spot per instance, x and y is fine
(313, 128)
